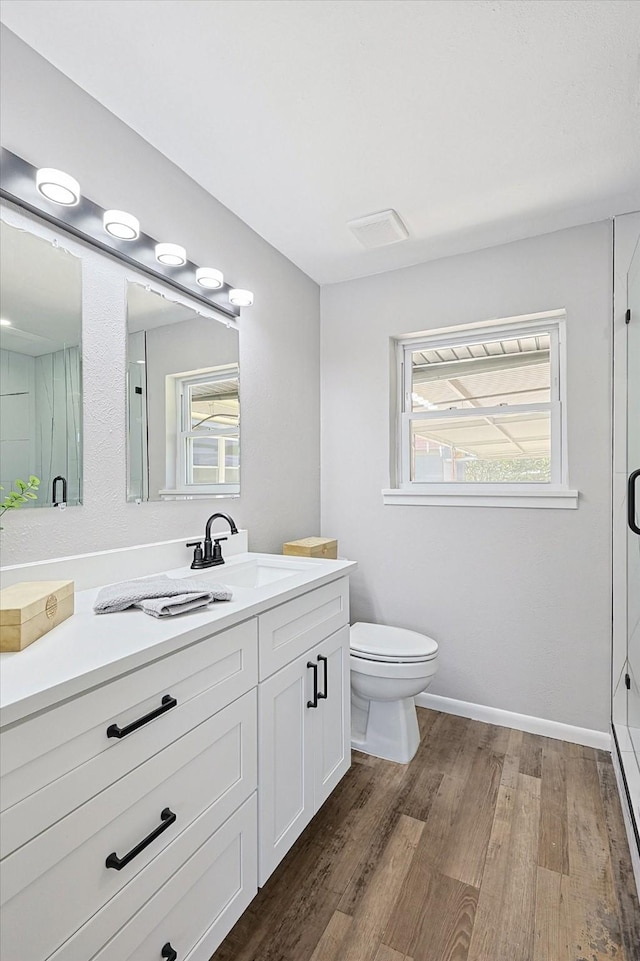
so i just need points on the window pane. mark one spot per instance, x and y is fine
(213, 460)
(504, 448)
(510, 371)
(213, 404)
(231, 452)
(203, 459)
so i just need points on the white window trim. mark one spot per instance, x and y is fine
(557, 494)
(184, 487)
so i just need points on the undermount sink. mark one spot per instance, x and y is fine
(252, 574)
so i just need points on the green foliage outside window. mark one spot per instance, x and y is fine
(527, 470)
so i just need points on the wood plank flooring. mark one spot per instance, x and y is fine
(492, 845)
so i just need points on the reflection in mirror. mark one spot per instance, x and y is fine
(40, 366)
(183, 410)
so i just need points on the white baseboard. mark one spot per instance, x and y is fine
(521, 722)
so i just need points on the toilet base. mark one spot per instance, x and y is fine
(386, 729)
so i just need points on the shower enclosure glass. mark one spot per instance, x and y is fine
(633, 505)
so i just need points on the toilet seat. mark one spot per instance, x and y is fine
(392, 658)
(390, 645)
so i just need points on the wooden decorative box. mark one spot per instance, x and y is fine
(312, 547)
(32, 608)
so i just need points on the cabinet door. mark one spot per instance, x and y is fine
(332, 719)
(286, 767)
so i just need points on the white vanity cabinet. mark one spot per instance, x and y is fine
(143, 803)
(304, 717)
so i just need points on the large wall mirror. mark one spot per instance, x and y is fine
(40, 367)
(183, 406)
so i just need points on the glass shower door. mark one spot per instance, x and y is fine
(633, 503)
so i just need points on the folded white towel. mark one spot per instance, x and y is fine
(118, 597)
(180, 604)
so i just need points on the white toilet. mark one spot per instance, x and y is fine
(389, 666)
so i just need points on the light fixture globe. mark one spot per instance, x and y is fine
(210, 278)
(120, 224)
(58, 187)
(171, 255)
(240, 298)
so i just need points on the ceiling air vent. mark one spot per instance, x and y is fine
(379, 230)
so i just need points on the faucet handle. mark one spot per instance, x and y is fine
(198, 559)
(217, 557)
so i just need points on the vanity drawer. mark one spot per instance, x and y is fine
(57, 760)
(202, 901)
(287, 631)
(49, 887)
(212, 877)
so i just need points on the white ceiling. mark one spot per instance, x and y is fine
(479, 122)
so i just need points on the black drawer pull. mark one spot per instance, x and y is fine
(165, 705)
(322, 697)
(113, 861)
(169, 953)
(314, 668)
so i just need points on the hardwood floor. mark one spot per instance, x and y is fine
(492, 845)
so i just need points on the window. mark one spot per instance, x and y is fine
(482, 415)
(208, 448)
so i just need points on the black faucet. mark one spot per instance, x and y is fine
(212, 555)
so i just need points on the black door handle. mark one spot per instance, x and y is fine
(165, 705)
(631, 501)
(169, 953)
(322, 697)
(314, 668)
(113, 861)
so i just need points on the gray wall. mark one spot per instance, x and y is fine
(51, 122)
(519, 599)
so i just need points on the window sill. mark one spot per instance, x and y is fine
(229, 490)
(553, 498)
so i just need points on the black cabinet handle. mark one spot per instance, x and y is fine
(322, 697)
(631, 501)
(169, 953)
(113, 861)
(314, 668)
(165, 705)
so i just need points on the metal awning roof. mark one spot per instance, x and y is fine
(500, 373)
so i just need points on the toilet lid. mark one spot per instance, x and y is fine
(378, 642)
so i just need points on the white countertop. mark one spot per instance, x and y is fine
(89, 649)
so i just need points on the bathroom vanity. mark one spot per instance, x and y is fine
(155, 772)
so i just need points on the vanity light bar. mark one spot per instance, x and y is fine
(116, 232)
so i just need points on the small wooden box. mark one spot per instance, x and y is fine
(312, 547)
(31, 609)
